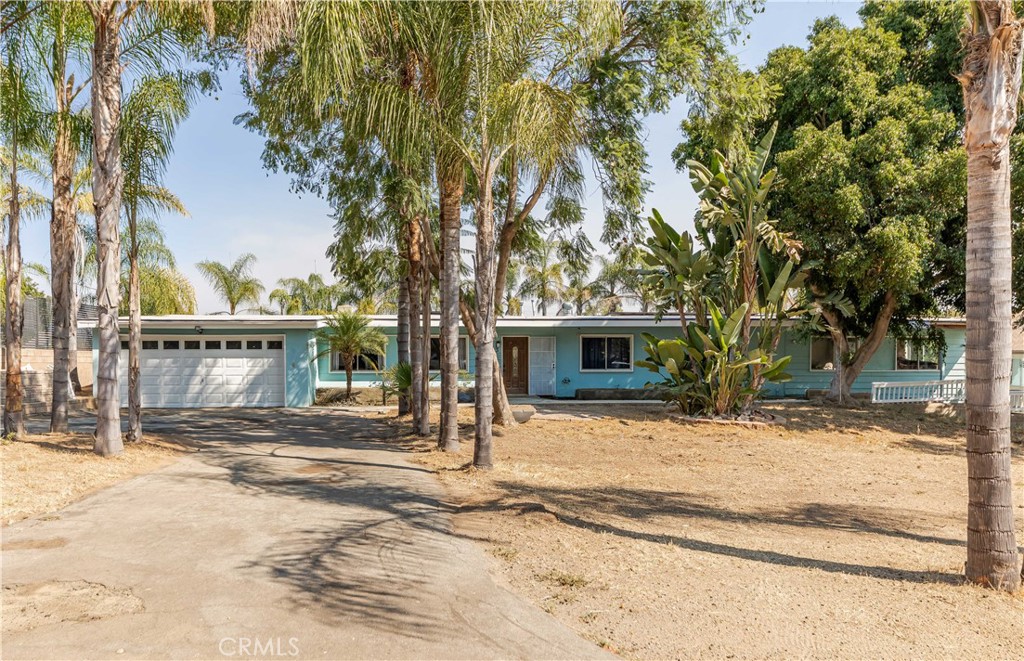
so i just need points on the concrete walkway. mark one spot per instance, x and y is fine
(290, 534)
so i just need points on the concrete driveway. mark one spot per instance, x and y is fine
(291, 534)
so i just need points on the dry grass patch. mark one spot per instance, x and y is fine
(840, 534)
(44, 473)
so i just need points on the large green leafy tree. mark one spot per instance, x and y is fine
(868, 149)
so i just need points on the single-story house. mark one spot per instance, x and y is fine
(274, 360)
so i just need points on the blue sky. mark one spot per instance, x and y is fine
(237, 207)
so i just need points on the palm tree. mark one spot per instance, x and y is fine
(349, 334)
(543, 279)
(59, 34)
(21, 126)
(151, 114)
(612, 285)
(579, 290)
(162, 288)
(991, 80)
(109, 18)
(310, 296)
(235, 284)
(399, 114)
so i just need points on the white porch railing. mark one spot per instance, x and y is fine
(918, 391)
(950, 392)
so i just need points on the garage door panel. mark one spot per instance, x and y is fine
(209, 377)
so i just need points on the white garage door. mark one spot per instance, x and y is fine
(186, 372)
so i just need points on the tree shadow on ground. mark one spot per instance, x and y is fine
(369, 559)
(607, 510)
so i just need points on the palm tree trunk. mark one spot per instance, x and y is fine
(991, 80)
(107, 185)
(425, 290)
(348, 380)
(134, 334)
(451, 217)
(485, 325)
(13, 413)
(63, 228)
(403, 329)
(417, 360)
(76, 381)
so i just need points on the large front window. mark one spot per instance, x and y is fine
(916, 357)
(368, 362)
(605, 353)
(435, 353)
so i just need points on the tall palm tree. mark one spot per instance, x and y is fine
(350, 335)
(151, 114)
(109, 18)
(21, 126)
(60, 35)
(235, 283)
(543, 276)
(991, 80)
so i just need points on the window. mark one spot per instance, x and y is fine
(275, 345)
(3, 358)
(149, 344)
(171, 344)
(370, 362)
(920, 357)
(822, 352)
(606, 353)
(213, 344)
(233, 344)
(191, 345)
(124, 345)
(435, 353)
(254, 344)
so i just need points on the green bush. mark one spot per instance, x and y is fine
(708, 371)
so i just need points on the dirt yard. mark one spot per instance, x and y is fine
(44, 473)
(838, 535)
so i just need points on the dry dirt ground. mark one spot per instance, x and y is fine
(840, 534)
(44, 473)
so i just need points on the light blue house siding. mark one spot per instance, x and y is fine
(308, 367)
(570, 377)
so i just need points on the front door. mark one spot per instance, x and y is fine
(515, 361)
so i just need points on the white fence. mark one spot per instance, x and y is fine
(950, 392)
